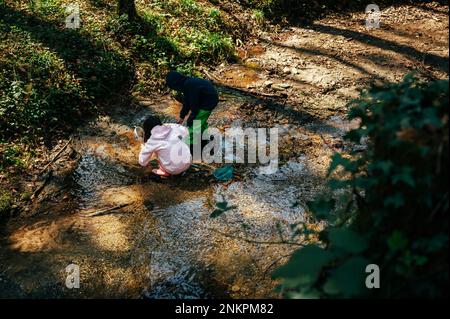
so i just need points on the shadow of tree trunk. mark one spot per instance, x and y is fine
(127, 7)
(433, 60)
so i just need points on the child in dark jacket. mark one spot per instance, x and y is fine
(199, 98)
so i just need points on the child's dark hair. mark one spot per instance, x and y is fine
(149, 123)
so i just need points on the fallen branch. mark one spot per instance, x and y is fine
(329, 145)
(57, 155)
(211, 76)
(202, 166)
(106, 211)
(41, 187)
(251, 241)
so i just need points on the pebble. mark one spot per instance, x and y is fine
(278, 88)
(268, 83)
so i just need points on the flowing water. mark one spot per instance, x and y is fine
(133, 235)
(159, 241)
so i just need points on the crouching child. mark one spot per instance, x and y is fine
(166, 144)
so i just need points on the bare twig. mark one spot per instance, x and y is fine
(56, 156)
(41, 187)
(439, 205)
(211, 76)
(251, 241)
(106, 211)
(329, 145)
(202, 166)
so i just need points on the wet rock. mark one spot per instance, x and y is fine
(268, 83)
(281, 86)
(100, 151)
(278, 88)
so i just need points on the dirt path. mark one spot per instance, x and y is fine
(134, 236)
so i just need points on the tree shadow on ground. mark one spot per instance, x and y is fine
(101, 3)
(303, 12)
(433, 10)
(320, 52)
(101, 71)
(433, 60)
(275, 104)
(106, 75)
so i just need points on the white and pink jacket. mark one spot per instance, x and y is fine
(166, 142)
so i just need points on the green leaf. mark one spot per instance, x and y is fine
(338, 184)
(430, 117)
(405, 178)
(230, 208)
(336, 161)
(304, 266)
(224, 173)
(358, 110)
(322, 208)
(397, 241)
(222, 205)
(365, 182)
(384, 166)
(348, 279)
(354, 135)
(421, 260)
(395, 201)
(216, 213)
(347, 240)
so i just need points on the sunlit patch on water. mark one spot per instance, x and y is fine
(94, 175)
(191, 244)
(240, 76)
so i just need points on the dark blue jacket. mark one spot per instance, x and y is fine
(197, 94)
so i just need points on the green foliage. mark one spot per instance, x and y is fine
(5, 203)
(258, 16)
(189, 6)
(387, 205)
(51, 77)
(304, 266)
(10, 156)
(214, 15)
(221, 207)
(214, 46)
(310, 9)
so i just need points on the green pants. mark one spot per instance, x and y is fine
(197, 129)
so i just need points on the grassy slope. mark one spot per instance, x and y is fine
(53, 74)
